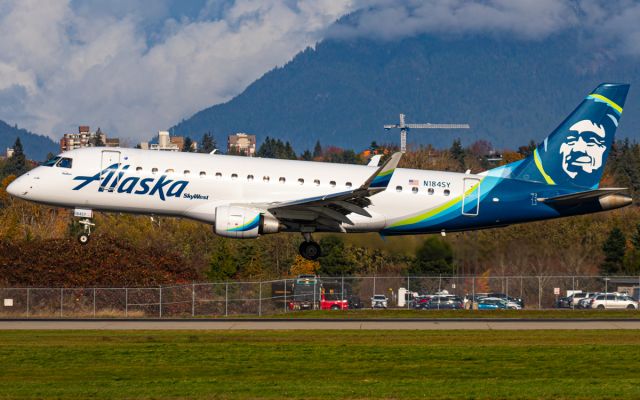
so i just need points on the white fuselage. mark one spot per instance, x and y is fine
(193, 185)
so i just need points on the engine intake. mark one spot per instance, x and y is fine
(244, 223)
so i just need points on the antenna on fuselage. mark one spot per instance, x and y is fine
(404, 128)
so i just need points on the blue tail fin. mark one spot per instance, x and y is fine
(575, 153)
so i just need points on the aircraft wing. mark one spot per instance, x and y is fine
(331, 210)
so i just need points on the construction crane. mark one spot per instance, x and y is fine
(404, 128)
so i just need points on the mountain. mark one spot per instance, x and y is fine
(343, 91)
(36, 147)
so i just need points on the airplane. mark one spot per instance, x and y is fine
(246, 197)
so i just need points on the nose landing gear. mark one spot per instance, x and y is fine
(83, 238)
(309, 249)
(86, 223)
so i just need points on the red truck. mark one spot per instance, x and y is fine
(329, 302)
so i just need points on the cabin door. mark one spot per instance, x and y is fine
(109, 163)
(471, 197)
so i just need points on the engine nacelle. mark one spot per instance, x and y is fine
(244, 223)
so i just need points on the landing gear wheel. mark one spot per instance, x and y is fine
(310, 250)
(83, 238)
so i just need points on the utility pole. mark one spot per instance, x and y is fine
(404, 128)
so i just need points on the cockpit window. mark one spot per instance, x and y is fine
(51, 162)
(65, 163)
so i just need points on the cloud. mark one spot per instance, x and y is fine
(608, 24)
(134, 69)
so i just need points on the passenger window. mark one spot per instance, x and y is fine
(332, 183)
(349, 184)
(430, 191)
(234, 176)
(398, 188)
(265, 179)
(282, 180)
(414, 189)
(447, 192)
(301, 181)
(65, 163)
(187, 172)
(317, 182)
(219, 175)
(202, 174)
(138, 169)
(169, 171)
(249, 177)
(154, 170)
(51, 162)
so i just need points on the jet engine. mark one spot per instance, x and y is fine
(244, 223)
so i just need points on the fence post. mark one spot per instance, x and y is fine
(573, 289)
(28, 293)
(160, 308)
(94, 302)
(226, 299)
(193, 299)
(342, 289)
(539, 292)
(126, 302)
(61, 299)
(473, 293)
(285, 294)
(407, 295)
(260, 301)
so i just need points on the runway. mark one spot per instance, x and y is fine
(307, 324)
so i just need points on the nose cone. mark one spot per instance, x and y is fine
(17, 188)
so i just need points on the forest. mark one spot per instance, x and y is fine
(38, 245)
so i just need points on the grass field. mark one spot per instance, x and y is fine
(320, 365)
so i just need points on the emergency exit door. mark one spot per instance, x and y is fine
(471, 197)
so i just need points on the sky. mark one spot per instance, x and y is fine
(136, 67)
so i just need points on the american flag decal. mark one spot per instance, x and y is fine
(413, 182)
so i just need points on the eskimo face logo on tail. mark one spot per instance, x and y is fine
(112, 180)
(583, 149)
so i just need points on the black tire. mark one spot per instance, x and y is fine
(83, 239)
(335, 307)
(310, 250)
(600, 307)
(631, 307)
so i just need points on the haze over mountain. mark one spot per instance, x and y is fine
(36, 147)
(343, 91)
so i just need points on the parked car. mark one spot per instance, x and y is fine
(443, 303)
(354, 302)
(503, 296)
(564, 302)
(379, 301)
(419, 301)
(586, 302)
(496, 303)
(613, 301)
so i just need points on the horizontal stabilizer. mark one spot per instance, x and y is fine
(608, 198)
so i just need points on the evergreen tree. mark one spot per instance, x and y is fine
(188, 145)
(317, 150)
(434, 257)
(457, 152)
(614, 249)
(222, 265)
(307, 156)
(208, 143)
(528, 149)
(336, 258)
(17, 163)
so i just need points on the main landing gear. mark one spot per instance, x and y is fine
(83, 238)
(309, 249)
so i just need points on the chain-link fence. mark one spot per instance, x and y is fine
(309, 292)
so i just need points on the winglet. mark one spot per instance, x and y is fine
(383, 175)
